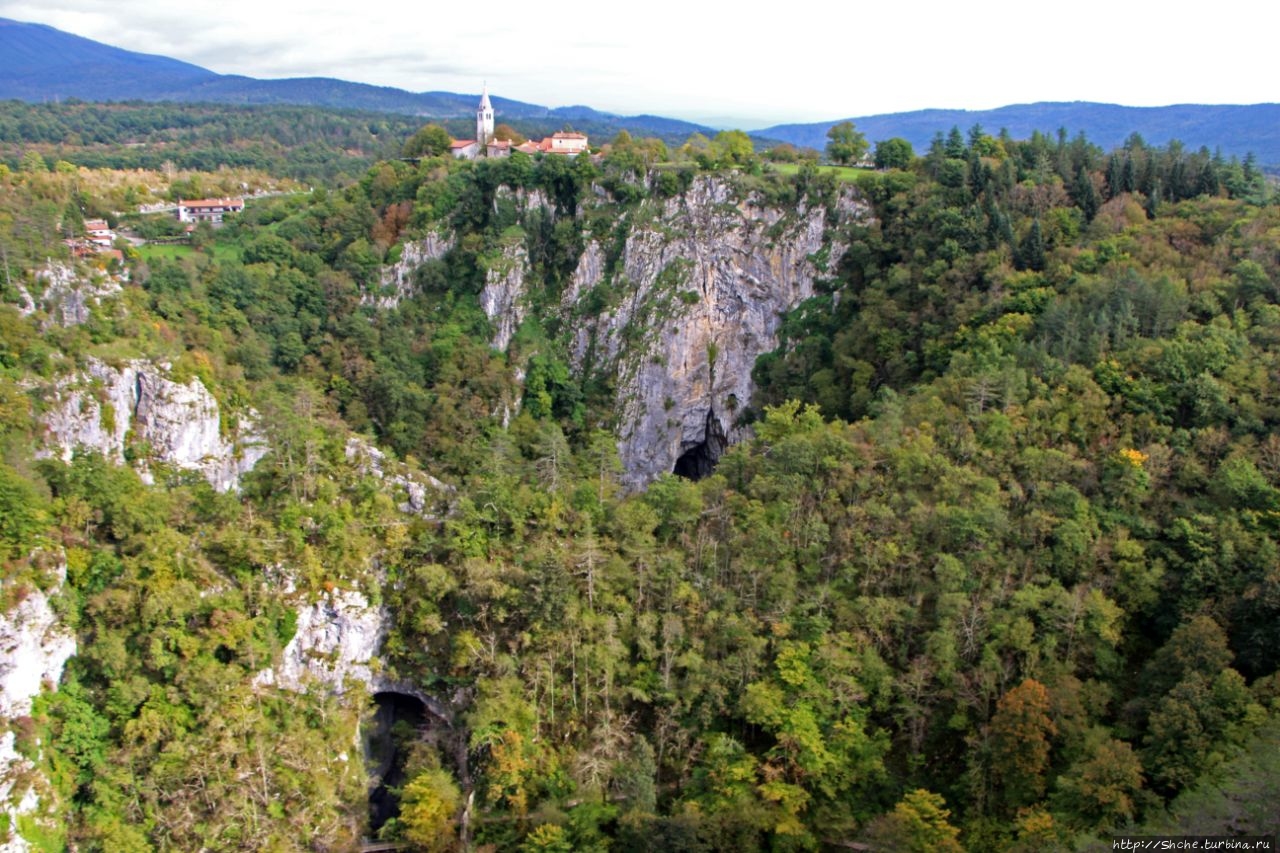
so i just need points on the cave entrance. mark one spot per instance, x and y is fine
(397, 723)
(698, 459)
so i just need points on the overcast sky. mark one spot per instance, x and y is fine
(742, 64)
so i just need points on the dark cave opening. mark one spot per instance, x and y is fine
(698, 460)
(398, 720)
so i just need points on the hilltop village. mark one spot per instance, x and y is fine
(568, 143)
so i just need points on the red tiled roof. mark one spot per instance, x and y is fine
(212, 202)
(560, 134)
(461, 143)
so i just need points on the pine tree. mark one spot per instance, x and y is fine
(1086, 195)
(1115, 175)
(1128, 176)
(1030, 252)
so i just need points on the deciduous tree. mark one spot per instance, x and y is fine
(846, 144)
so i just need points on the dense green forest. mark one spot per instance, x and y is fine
(333, 147)
(297, 142)
(998, 570)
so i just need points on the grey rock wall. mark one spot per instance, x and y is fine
(695, 297)
(398, 278)
(180, 423)
(34, 647)
(699, 295)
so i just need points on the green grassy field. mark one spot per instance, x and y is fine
(844, 174)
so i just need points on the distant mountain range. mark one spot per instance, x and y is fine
(1235, 130)
(40, 63)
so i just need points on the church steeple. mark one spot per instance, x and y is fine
(484, 119)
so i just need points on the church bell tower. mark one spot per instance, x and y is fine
(484, 119)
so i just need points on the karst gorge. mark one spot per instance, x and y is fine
(649, 499)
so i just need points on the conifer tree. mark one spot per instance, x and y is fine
(1030, 253)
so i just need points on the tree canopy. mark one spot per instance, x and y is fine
(846, 144)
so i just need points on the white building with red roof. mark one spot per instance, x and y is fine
(99, 233)
(564, 142)
(464, 149)
(208, 209)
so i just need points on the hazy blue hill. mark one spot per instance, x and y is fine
(41, 63)
(1233, 129)
(319, 92)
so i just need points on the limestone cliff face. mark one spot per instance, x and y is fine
(65, 295)
(677, 317)
(503, 297)
(335, 646)
(34, 647)
(697, 295)
(180, 423)
(397, 279)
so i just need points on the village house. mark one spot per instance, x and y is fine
(464, 149)
(208, 209)
(99, 233)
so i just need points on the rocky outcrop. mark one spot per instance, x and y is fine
(68, 296)
(503, 297)
(137, 407)
(524, 200)
(421, 492)
(397, 280)
(697, 295)
(34, 648)
(64, 295)
(335, 646)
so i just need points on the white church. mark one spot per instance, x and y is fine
(568, 143)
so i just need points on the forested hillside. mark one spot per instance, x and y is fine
(995, 567)
(328, 146)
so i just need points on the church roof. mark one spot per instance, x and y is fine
(484, 99)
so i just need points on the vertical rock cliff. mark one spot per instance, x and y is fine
(671, 304)
(175, 423)
(397, 280)
(34, 647)
(696, 296)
